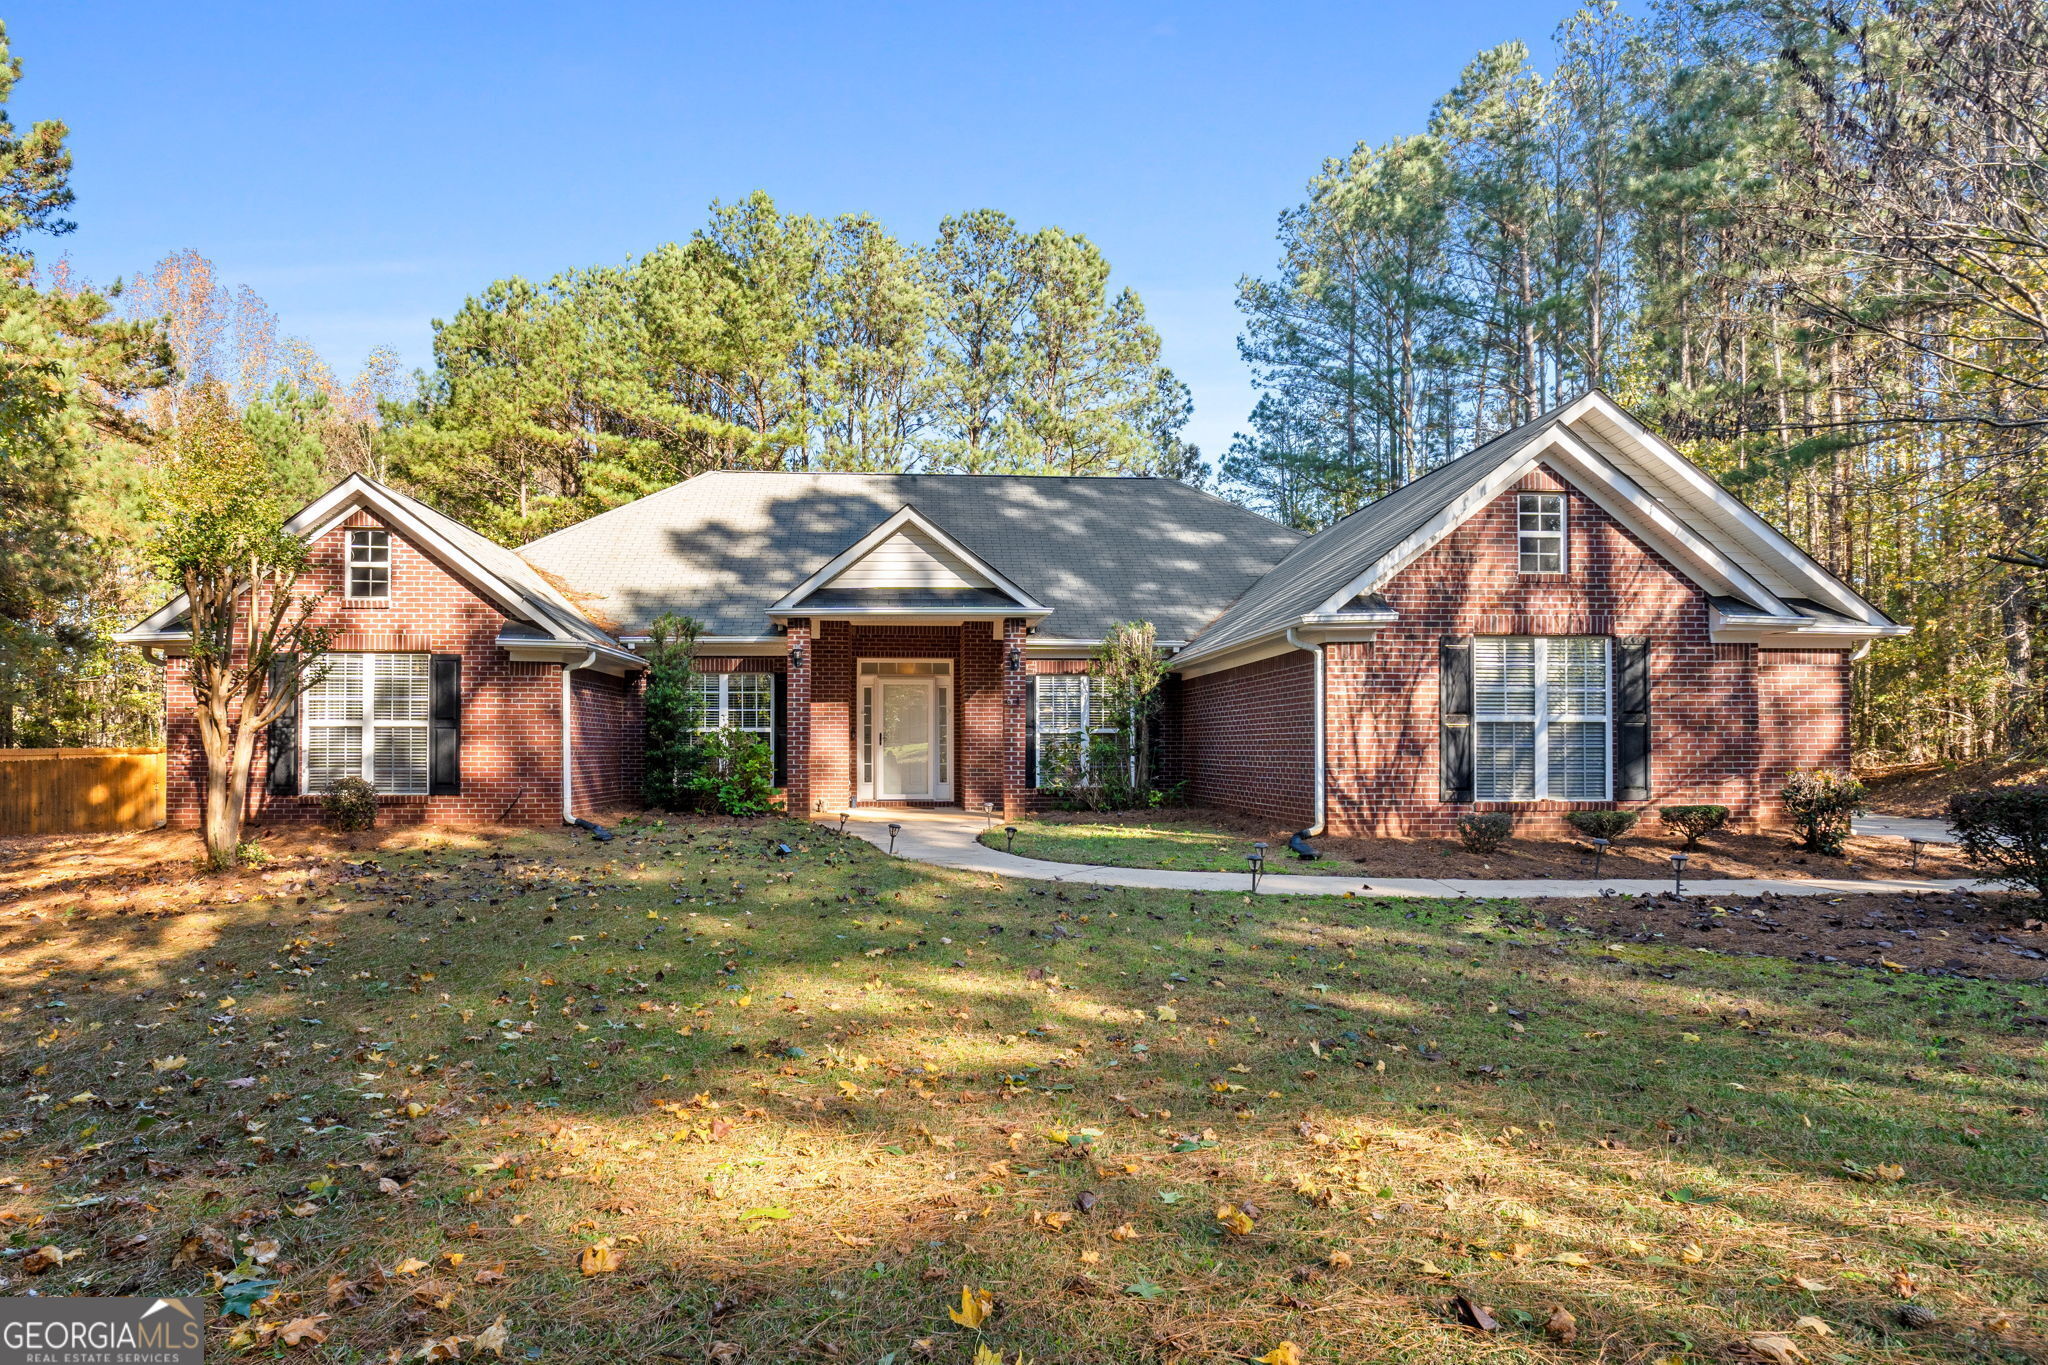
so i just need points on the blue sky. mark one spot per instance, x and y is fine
(367, 166)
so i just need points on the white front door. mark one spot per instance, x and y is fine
(905, 753)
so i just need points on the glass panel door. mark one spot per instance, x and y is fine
(905, 741)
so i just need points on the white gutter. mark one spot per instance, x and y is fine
(568, 715)
(1294, 638)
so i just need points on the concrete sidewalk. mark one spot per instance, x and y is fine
(951, 839)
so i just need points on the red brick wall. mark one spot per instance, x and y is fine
(609, 731)
(1247, 737)
(1802, 699)
(1382, 695)
(510, 712)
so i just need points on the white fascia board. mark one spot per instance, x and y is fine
(1270, 646)
(924, 616)
(905, 515)
(1694, 480)
(723, 646)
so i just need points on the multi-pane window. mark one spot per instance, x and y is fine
(369, 564)
(1070, 710)
(743, 701)
(1540, 718)
(1540, 526)
(367, 716)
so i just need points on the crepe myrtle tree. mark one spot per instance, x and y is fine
(1129, 670)
(220, 538)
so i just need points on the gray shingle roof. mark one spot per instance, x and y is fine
(724, 546)
(1341, 551)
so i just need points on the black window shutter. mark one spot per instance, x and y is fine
(1454, 705)
(1632, 711)
(445, 775)
(781, 736)
(284, 731)
(1031, 732)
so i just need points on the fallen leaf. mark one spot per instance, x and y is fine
(1474, 1314)
(1562, 1326)
(493, 1338)
(1286, 1353)
(304, 1331)
(601, 1258)
(1776, 1347)
(1810, 1323)
(1234, 1220)
(975, 1306)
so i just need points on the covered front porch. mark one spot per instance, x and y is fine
(906, 713)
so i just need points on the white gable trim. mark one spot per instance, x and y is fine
(1691, 479)
(336, 505)
(792, 602)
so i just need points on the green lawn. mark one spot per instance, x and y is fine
(787, 1108)
(1182, 848)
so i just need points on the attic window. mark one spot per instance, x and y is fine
(1540, 525)
(369, 564)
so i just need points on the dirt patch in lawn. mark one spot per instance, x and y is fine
(1644, 853)
(1923, 789)
(1936, 933)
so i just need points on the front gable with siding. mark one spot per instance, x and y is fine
(1569, 617)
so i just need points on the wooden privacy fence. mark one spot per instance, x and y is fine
(80, 791)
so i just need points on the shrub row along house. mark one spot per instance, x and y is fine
(1569, 617)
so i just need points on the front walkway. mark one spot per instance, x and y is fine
(950, 839)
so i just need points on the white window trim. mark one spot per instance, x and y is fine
(1563, 533)
(350, 564)
(1542, 718)
(715, 719)
(367, 758)
(1094, 724)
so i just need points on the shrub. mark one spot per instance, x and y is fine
(1821, 806)
(350, 804)
(1602, 824)
(1485, 833)
(251, 853)
(738, 776)
(1694, 822)
(673, 745)
(2004, 833)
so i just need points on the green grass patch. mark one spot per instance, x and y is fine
(1174, 846)
(680, 1097)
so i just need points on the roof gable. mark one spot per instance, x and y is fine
(908, 564)
(496, 573)
(1592, 443)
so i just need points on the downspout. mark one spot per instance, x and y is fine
(569, 715)
(1294, 638)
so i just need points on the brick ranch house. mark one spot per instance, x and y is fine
(1571, 616)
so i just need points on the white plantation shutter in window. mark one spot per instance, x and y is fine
(1062, 703)
(333, 709)
(1503, 677)
(399, 761)
(1540, 718)
(1504, 760)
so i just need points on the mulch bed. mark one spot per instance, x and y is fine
(2003, 937)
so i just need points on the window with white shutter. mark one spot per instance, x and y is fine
(370, 716)
(1540, 717)
(1071, 709)
(744, 701)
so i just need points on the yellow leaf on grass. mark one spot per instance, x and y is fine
(1286, 1353)
(1124, 1232)
(601, 1258)
(975, 1306)
(411, 1265)
(1810, 1286)
(1570, 1258)
(1777, 1348)
(1234, 1220)
(1058, 1221)
(1810, 1323)
(1692, 1253)
(303, 1331)
(1166, 1014)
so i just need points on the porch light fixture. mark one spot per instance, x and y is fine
(1599, 852)
(1678, 874)
(796, 655)
(894, 830)
(1257, 861)
(1015, 659)
(1009, 837)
